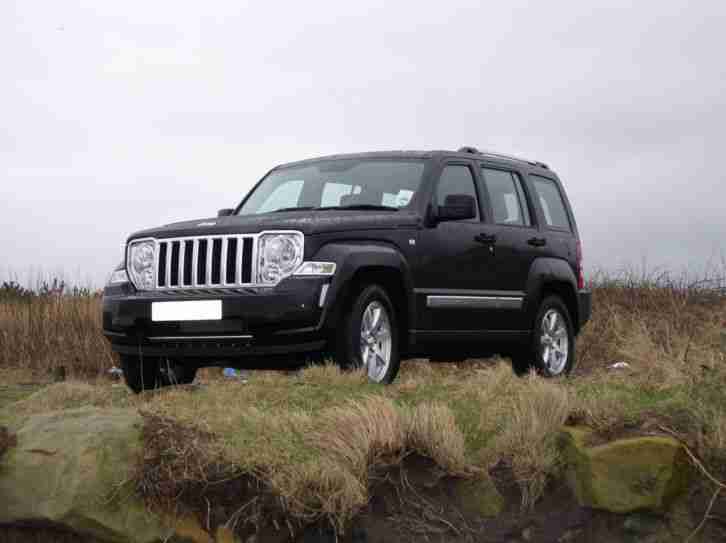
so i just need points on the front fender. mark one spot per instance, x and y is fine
(353, 257)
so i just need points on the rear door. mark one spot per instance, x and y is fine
(513, 223)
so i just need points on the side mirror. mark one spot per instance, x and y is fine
(225, 212)
(457, 207)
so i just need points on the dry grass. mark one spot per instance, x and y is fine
(43, 333)
(313, 439)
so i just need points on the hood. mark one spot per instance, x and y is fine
(307, 222)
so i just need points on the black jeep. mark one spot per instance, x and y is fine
(367, 258)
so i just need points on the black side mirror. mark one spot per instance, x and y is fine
(457, 207)
(225, 212)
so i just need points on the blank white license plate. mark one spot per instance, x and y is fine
(194, 310)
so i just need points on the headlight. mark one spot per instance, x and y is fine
(278, 255)
(140, 264)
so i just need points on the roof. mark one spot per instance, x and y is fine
(463, 152)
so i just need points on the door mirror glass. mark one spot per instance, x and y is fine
(457, 207)
(226, 212)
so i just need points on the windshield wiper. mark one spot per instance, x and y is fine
(372, 207)
(303, 208)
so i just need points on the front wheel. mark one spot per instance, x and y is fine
(148, 373)
(141, 373)
(552, 345)
(369, 337)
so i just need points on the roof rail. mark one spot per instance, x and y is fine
(475, 151)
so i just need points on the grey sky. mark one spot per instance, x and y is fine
(122, 115)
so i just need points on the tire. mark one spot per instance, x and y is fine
(175, 373)
(149, 373)
(559, 360)
(141, 373)
(381, 348)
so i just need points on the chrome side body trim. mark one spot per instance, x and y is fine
(474, 302)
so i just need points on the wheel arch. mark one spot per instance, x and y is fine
(361, 264)
(551, 276)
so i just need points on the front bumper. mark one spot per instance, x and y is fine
(584, 301)
(284, 320)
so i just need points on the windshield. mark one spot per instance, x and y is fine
(338, 184)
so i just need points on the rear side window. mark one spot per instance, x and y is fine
(506, 197)
(550, 200)
(456, 179)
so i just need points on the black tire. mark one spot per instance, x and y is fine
(141, 373)
(148, 373)
(177, 373)
(531, 356)
(348, 339)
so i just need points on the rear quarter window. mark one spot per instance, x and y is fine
(551, 202)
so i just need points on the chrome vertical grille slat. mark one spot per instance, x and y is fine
(195, 260)
(238, 261)
(227, 255)
(182, 250)
(223, 263)
(210, 250)
(167, 280)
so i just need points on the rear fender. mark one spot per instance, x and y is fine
(549, 273)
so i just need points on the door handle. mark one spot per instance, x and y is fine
(487, 239)
(537, 242)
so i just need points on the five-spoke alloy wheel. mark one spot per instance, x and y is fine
(552, 347)
(369, 336)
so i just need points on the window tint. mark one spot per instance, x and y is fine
(456, 180)
(507, 197)
(550, 200)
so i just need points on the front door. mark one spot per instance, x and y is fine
(453, 259)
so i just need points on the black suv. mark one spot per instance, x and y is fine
(367, 258)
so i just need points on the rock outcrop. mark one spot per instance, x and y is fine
(70, 469)
(624, 475)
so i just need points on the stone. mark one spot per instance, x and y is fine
(625, 475)
(70, 469)
(478, 496)
(642, 524)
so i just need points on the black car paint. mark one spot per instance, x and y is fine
(426, 257)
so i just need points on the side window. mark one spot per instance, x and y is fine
(286, 195)
(456, 179)
(550, 200)
(507, 197)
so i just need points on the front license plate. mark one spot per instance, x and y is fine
(195, 310)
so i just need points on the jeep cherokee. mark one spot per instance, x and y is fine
(367, 258)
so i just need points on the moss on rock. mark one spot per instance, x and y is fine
(71, 469)
(626, 474)
(478, 496)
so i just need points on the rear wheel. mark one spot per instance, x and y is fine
(369, 337)
(552, 345)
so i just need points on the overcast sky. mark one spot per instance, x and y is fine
(118, 116)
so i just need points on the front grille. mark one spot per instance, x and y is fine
(205, 262)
